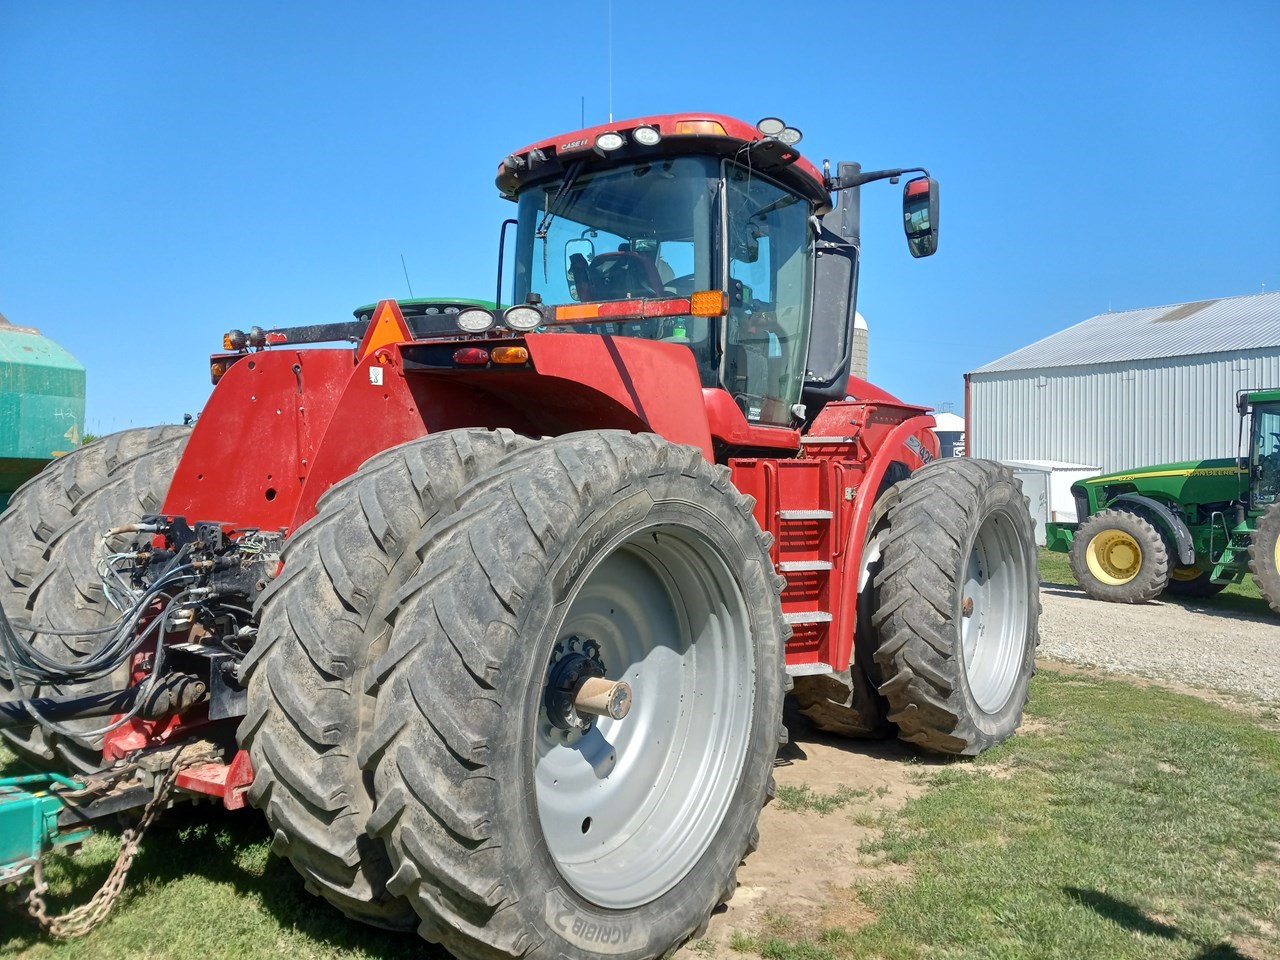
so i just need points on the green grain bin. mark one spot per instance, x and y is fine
(41, 404)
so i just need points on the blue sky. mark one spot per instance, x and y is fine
(169, 171)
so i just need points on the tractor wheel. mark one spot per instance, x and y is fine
(1120, 556)
(1264, 556)
(848, 703)
(519, 824)
(50, 546)
(1192, 582)
(957, 606)
(307, 671)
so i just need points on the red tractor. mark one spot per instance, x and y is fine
(493, 617)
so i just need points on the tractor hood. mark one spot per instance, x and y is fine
(1186, 469)
(1187, 483)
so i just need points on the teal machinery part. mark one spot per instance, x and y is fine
(41, 404)
(29, 822)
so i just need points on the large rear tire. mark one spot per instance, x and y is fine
(1120, 556)
(50, 546)
(1264, 556)
(958, 606)
(513, 836)
(317, 637)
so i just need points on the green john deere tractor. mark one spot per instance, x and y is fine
(1187, 528)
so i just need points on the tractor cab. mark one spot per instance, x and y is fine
(666, 207)
(1264, 447)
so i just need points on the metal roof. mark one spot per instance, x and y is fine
(1176, 330)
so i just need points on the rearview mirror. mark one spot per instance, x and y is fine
(920, 215)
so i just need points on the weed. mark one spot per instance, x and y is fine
(804, 798)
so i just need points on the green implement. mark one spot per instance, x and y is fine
(29, 826)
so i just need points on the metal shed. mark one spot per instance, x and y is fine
(1130, 388)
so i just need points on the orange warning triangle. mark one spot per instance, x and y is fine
(387, 326)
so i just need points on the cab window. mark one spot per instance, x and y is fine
(769, 269)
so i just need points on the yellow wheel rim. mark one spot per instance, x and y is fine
(1114, 557)
(1186, 573)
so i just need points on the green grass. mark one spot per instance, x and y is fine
(802, 797)
(1243, 597)
(1139, 824)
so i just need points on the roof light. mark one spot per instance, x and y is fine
(648, 136)
(771, 126)
(472, 356)
(510, 355)
(790, 136)
(608, 142)
(700, 126)
(709, 303)
(235, 340)
(475, 320)
(216, 369)
(522, 317)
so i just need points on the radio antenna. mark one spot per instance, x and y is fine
(406, 276)
(611, 61)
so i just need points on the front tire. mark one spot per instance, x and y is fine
(1119, 556)
(958, 606)
(512, 835)
(1264, 556)
(318, 635)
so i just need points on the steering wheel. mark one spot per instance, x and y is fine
(679, 286)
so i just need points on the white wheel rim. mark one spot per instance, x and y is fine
(993, 612)
(629, 807)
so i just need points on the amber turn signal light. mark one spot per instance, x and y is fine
(709, 303)
(509, 355)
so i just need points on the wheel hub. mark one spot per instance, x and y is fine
(1114, 557)
(577, 691)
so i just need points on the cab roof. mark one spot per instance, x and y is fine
(680, 134)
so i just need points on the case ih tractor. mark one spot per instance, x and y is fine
(492, 617)
(1187, 528)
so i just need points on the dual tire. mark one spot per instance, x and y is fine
(51, 543)
(948, 614)
(499, 830)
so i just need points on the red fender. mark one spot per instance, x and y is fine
(893, 447)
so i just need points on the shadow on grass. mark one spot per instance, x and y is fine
(203, 841)
(1131, 918)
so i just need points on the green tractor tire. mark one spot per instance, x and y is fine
(1120, 556)
(1264, 556)
(1192, 582)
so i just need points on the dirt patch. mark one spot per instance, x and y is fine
(808, 862)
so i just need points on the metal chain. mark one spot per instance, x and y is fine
(80, 920)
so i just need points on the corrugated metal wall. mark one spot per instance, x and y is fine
(1117, 415)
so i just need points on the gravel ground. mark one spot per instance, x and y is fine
(1217, 649)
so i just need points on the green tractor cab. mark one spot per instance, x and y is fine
(1189, 528)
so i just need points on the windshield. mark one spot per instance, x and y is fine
(1266, 453)
(651, 229)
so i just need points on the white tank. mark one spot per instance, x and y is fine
(858, 361)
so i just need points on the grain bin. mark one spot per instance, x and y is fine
(41, 404)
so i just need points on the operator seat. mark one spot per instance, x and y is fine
(622, 275)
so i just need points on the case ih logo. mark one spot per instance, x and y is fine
(573, 144)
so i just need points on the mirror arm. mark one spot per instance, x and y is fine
(857, 180)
